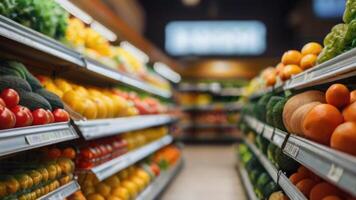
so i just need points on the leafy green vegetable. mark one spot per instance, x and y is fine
(45, 16)
(350, 11)
(334, 43)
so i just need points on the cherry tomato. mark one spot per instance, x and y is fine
(60, 115)
(23, 116)
(40, 116)
(50, 116)
(2, 102)
(7, 118)
(10, 97)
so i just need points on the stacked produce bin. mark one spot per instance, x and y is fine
(298, 122)
(80, 117)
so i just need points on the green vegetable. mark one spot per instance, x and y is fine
(262, 143)
(350, 11)
(334, 43)
(285, 163)
(52, 98)
(45, 16)
(269, 114)
(15, 83)
(262, 180)
(278, 114)
(269, 188)
(261, 107)
(34, 101)
(271, 152)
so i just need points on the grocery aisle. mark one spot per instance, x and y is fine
(208, 174)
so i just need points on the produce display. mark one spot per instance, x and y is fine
(30, 176)
(23, 100)
(264, 186)
(44, 16)
(308, 183)
(93, 153)
(128, 183)
(49, 18)
(97, 103)
(324, 117)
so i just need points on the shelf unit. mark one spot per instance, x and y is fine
(18, 39)
(338, 68)
(203, 126)
(94, 129)
(332, 165)
(230, 107)
(245, 180)
(153, 191)
(278, 176)
(206, 140)
(62, 192)
(113, 166)
(21, 139)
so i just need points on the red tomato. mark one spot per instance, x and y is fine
(7, 118)
(54, 153)
(50, 116)
(40, 116)
(60, 115)
(2, 102)
(23, 116)
(11, 97)
(155, 168)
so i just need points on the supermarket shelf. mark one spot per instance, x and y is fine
(272, 171)
(208, 140)
(153, 191)
(94, 129)
(214, 89)
(62, 192)
(338, 68)
(111, 167)
(214, 107)
(246, 182)
(203, 126)
(332, 165)
(21, 139)
(18, 39)
(278, 176)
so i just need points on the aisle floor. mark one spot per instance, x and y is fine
(209, 174)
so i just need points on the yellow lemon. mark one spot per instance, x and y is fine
(144, 176)
(103, 189)
(113, 181)
(101, 107)
(62, 84)
(139, 182)
(81, 91)
(131, 187)
(109, 105)
(113, 198)
(90, 112)
(95, 197)
(121, 192)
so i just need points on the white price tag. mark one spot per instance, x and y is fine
(291, 149)
(46, 137)
(335, 173)
(278, 140)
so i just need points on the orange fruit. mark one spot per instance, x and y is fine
(352, 96)
(271, 79)
(296, 177)
(279, 68)
(349, 113)
(54, 153)
(320, 123)
(322, 190)
(333, 197)
(344, 138)
(306, 185)
(69, 153)
(308, 61)
(304, 170)
(311, 48)
(291, 57)
(289, 70)
(338, 95)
